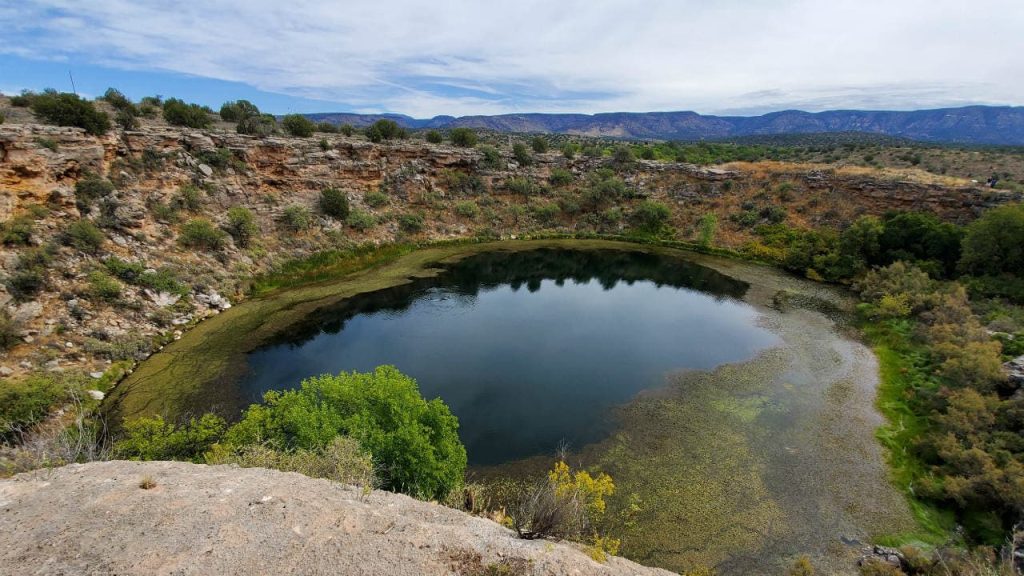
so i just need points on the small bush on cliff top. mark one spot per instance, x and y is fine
(464, 137)
(66, 109)
(298, 125)
(414, 443)
(178, 113)
(341, 461)
(242, 225)
(153, 438)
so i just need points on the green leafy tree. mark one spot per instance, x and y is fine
(464, 137)
(385, 129)
(994, 243)
(238, 110)
(415, 443)
(260, 125)
(434, 137)
(298, 125)
(539, 144)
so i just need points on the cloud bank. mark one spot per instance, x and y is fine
(470, 57)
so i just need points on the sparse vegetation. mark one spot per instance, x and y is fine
(84, 235)
(296, 218)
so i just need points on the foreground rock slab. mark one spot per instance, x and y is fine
(97, 519)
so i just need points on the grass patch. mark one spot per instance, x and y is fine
(898, 372)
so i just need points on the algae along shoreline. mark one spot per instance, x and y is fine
(741, 468)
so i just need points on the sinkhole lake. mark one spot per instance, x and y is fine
(531, 350)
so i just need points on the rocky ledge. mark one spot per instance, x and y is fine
(193, 519)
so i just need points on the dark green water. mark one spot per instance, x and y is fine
(530, 350)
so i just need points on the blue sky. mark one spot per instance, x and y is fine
(468, 57)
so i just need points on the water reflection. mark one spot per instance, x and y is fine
(528, 348)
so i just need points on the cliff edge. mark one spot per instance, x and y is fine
(97, 519)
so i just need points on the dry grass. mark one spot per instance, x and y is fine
(147, 483)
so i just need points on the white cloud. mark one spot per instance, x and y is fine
(467, 57)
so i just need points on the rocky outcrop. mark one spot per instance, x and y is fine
(40, 166)
(98, 519)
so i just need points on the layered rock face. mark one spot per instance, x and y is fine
(403, 190)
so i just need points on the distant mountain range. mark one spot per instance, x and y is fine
(967, 125)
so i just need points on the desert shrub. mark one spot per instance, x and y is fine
(647, 153)
(241, 226)
(385, 130)
(261, 125)
(346, 129)
(327, 128)
(464, 137)
(651, 217)
(238, 110)
(66, 109)
(360, 220)
(539, 144)
(334, 203)
(3, 117)
(522, 186)
(178, 113)
(410, 223)
(521, 154)
(103, 286)
(84, 235)
(994, 243)
(566, 504)
(89, 189)
(153, 438)
(414, 443)
(17, 231)
(375, 199)
(604, 188)
(25, 402)
(706, 229)
(570, 150)
(128, 271)
(492, 159)
(434, 137)
(901, 281)
(341, 461)
(460, 182)
(324, 144)
(10, 332)
(189, 197)
(593, 151)
(546, 212)
(296, 218)
(119, 101)
(126, 120)
(622, 156)
(118, 348)
(202, 234)
(26, 282)
(467, 209)
(560, 177)
(298, 125)
(219, 158)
